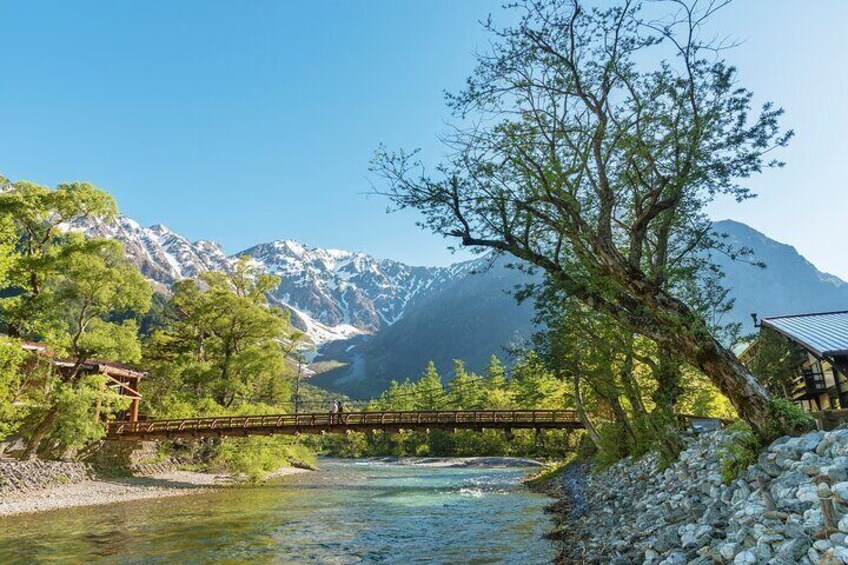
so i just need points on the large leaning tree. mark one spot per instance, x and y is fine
(588, 143)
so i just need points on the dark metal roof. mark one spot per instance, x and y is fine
(824, 334)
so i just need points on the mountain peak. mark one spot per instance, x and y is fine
(160, 229)
(340, 287)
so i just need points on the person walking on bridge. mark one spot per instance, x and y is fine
(342, 411)
(334, 409)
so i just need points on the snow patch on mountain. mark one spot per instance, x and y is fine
(345, 288)
(320, 333)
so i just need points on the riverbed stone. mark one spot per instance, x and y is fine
(728, 551)
(840, 490)
(835, 473)
(685, 513)
(745, 558)
(794, 548)
(650, 556)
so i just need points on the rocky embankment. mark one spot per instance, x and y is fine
(791, 507)
(27, 476)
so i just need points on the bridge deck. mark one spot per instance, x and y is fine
(313, 423)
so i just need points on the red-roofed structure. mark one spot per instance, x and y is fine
(122, 379)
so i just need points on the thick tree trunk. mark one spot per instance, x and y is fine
(667, 375)
(631, 387)
(645, 309)
(39, 433)
(654, 313)
(676, 328)
(663, 419)
(613, 402)
(584, 418)
(734, 380)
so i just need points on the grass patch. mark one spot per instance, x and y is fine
(547, 474)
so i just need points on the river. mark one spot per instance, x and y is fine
(349, 512)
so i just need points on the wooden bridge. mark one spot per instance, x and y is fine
(324, 422)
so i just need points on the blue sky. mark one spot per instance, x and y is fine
(245, 122)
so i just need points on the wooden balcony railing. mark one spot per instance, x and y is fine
(809, 384)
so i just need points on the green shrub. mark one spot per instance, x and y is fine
(741, 449)
(656, 432)
(615, 444)
(254, 458)
(789, 418)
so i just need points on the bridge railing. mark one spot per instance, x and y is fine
(416, 418)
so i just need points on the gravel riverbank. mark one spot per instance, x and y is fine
(109, 491)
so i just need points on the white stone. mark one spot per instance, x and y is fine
(807, 493)
(841, 553)
(745, 558)
(822, 545)
(836, 473)
(841, 490)
(728, 551)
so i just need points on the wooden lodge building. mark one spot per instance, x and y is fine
(121, 380)
(821, 382)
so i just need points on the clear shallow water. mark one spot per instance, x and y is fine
(350, 512)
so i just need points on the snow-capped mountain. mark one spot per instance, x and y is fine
(162, 255)
(332, 294)
(344, 288)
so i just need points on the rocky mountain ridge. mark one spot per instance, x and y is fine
(332, 294)
(162, 255)
(344, 288)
